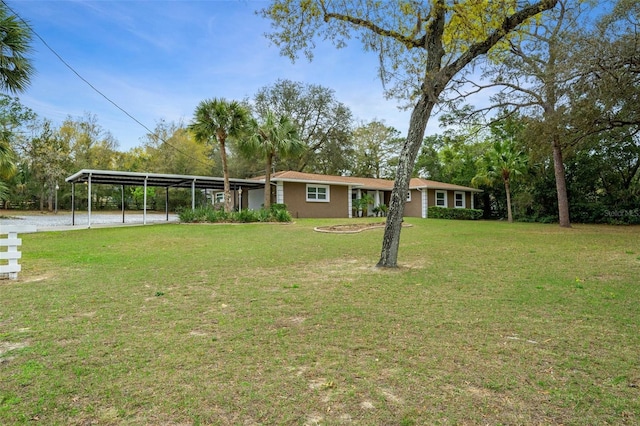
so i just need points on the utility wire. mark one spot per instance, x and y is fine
(61, 59)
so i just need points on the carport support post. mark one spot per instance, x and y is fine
(122, 192)
(89, 202)
(166, 202)
(73, 204)
(193, 195)
(144, 202)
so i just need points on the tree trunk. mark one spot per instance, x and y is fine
(42, 200)
(406, 161)
(267, 182)
(225, 174)
(507, 189)
(561, 185)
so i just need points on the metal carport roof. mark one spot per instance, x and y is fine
(113, 177)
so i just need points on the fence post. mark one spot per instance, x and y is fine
(11, 254)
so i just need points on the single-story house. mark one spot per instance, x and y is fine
(323, 196)
(305, 194)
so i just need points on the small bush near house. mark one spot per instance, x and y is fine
(460, 214)
(281, 216)
(209, 214)
(186, 215)
(278, 206)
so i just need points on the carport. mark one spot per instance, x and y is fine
(111, 177)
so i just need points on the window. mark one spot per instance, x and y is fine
(318, 193)
(441, 198)
(459, 200)
(218, 197)
(408, 196)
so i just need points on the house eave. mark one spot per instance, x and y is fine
(318, 182)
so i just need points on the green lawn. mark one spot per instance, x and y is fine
(484, 323)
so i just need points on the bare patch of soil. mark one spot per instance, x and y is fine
(6, 347)
(352, 228)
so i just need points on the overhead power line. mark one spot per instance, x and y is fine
(95, 89)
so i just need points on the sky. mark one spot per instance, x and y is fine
(157, 60)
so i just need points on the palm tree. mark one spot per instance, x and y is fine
(275, 136)
(7, 167)
(218, 119)
(15, 42)
(15, 73)
(503, 161)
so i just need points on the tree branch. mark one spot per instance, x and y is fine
(509, 23)
(407, 41)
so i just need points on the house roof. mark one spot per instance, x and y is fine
(363, 183)
(418, 183)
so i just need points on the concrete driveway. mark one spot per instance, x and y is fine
(63, 220)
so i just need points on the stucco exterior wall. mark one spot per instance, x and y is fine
(295, 197)
(413, 208)
(431, 197)
(450, 198)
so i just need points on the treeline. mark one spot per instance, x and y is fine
(44, 155)
(602, 172)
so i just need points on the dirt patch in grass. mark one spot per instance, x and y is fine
(7, 347)
(352, 228)
(11, 346)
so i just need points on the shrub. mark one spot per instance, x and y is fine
(187, 215)
(282, 216)
(460, 214)
(212, 215)
(380, 210)
(264, 215)
(277, 207)
(245, 216)
(216, 215)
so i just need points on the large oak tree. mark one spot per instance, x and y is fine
(421, 46)
(322, 121)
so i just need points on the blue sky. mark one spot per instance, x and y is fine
(158, 59)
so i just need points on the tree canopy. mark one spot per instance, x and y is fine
(421, 47)
(270, 137)
(323, 123)
(214, 121)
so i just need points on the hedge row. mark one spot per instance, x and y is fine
(460, 214)
(277, 213)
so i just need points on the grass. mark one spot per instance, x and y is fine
(484, 323)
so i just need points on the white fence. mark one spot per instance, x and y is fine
(9, 253)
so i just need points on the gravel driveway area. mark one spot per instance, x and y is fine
(62, 220)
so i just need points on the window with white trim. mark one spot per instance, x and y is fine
(318, 193)
(441, 198)
(218, 197)
(458, 199)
